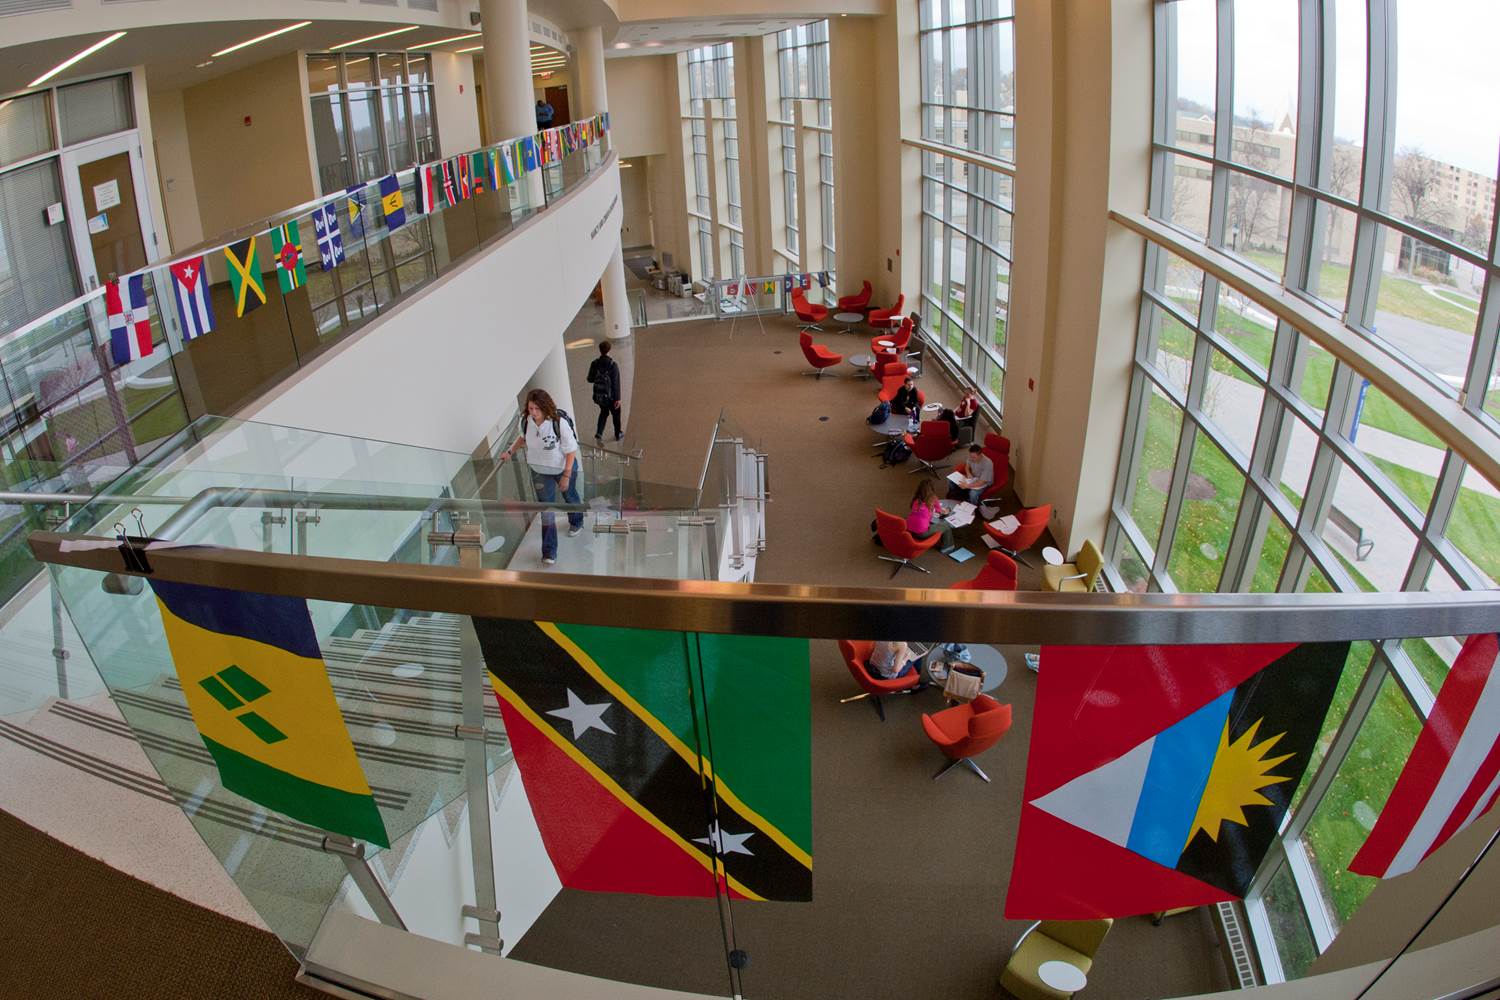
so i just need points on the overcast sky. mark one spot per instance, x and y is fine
(1448, 79)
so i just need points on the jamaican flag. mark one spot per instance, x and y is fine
(258, 690)
(245, 279)
(661, 763)
(286, 247)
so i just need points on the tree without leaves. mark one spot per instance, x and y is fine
(1415, 183)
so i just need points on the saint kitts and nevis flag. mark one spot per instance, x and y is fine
(258, 691)
(1158, 775)
(1453, 774)
(607, 739)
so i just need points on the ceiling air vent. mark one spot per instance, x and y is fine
(9, 7)
(423, 5)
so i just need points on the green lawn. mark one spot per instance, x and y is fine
(1399, 295)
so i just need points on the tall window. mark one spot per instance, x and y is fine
(372, 114)
(802, 74)
(968, 106)
(711, 99)
(1325, 156)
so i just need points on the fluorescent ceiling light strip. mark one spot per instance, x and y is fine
(371, 38)
(261, 38)
(78, 58)
(443, 41)
(471, 48)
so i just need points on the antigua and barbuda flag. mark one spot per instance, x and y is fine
(1159, 775)
(129, 319)
(330, 240)
(258, 690)
(190, 289)
(1453, 774)
(607, 730)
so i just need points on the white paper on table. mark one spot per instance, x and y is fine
(961, 515)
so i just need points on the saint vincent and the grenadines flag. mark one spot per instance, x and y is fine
(1158, 775)
(607, 738)
(258, 690)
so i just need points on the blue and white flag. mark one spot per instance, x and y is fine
(190, 289)
(330, 243)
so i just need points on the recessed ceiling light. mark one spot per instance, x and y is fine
(80, 56)
(653, 45)
(444, 41)
(622, 45)
(261, 38)
(371, 38)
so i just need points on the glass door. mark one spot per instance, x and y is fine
(104, 184)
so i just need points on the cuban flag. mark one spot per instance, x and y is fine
(129, 320)
(330, 242)
(190, 289)
(1453, 774)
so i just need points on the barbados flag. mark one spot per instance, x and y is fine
(1159, 775)
(610, 729)
(258, 690)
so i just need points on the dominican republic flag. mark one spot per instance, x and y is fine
(1159, 775)
(129, 320)
(626, 796)
(330, 242)
(1453, 774)
(190, 289)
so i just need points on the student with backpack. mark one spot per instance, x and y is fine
(551, 443)
(604, 376)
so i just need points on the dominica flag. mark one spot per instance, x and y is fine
(245, 280)
(258, 691)
(330, 240)
(1453, 774)
(606, 725)
(286, 247)
(190, 291)
(1158, 775)
(392, 206)
(129, 319)
(356, 208)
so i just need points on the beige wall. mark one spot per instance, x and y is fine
(247, 173)
(635, 202)
(641, 115)
(174, 168)
(668, 212)
(853, 62)
(457, 106)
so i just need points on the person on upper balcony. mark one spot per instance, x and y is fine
(544, 114)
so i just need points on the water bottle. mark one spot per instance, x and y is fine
(913, 422)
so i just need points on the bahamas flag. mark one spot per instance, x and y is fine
(258, 690)
(610, 728)
(1158, 775)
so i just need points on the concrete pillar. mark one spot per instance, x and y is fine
(552, 375)
(593, 99)
(509, 106)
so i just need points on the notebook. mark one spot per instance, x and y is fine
(959, 555)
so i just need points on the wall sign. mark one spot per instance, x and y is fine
(106, 195)
(98, 223)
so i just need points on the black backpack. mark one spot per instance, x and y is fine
(880, 414)
(556, 424)
(602, 377)
(896, 452)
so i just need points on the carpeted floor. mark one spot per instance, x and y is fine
(74, 927)
(910, 874)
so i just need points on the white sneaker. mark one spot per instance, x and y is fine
(548, 561)
(574, 531)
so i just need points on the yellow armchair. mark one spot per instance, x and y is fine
(1072, 942)
(1079, 575)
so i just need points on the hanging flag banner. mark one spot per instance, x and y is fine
(528, 154)
(245, 280)
(129, 319)
(1453, 774)
(605, 733)
(190, 290)
(507, 156)
(286, 247)
(770, 287)
(392, 205)
(485, 176)
(425, 185)
(822, 279)
(356, 208)
(330, 241)
(257, 687)
(1158, 775)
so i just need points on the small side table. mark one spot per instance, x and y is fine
(1052, 556)
(849, 319)
(1062, 976)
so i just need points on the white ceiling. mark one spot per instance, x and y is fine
(651, 38)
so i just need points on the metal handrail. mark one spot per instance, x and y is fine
(799, 610)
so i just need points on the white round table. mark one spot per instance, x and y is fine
(929, 407)
(862, 362)
(849, 318)
(888, 345)
(1052, 556)
(1062, 976)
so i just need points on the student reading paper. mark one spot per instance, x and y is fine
(981, 476)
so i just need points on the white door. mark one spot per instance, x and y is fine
(104, 191)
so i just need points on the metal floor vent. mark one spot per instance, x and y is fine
(1239, 947)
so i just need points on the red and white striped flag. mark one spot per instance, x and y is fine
(1453, 774)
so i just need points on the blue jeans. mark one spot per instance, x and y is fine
(546, 492)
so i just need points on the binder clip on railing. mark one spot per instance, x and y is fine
(133, 554)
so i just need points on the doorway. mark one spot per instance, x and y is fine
(105, 194)
(558, 98)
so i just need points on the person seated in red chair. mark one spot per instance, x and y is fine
(889, 660)
(925, 519)
(981, 475)
(967, 413)
(906, 398)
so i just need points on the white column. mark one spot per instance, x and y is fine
(507, 76)
(552, 375)
(593, 99)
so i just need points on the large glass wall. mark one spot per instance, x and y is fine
(968, 106)
(1322, 145)
(802, 74)
(372, 113)
(715, 221)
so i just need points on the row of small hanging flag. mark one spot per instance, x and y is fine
(439, 185)
(788, 282)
